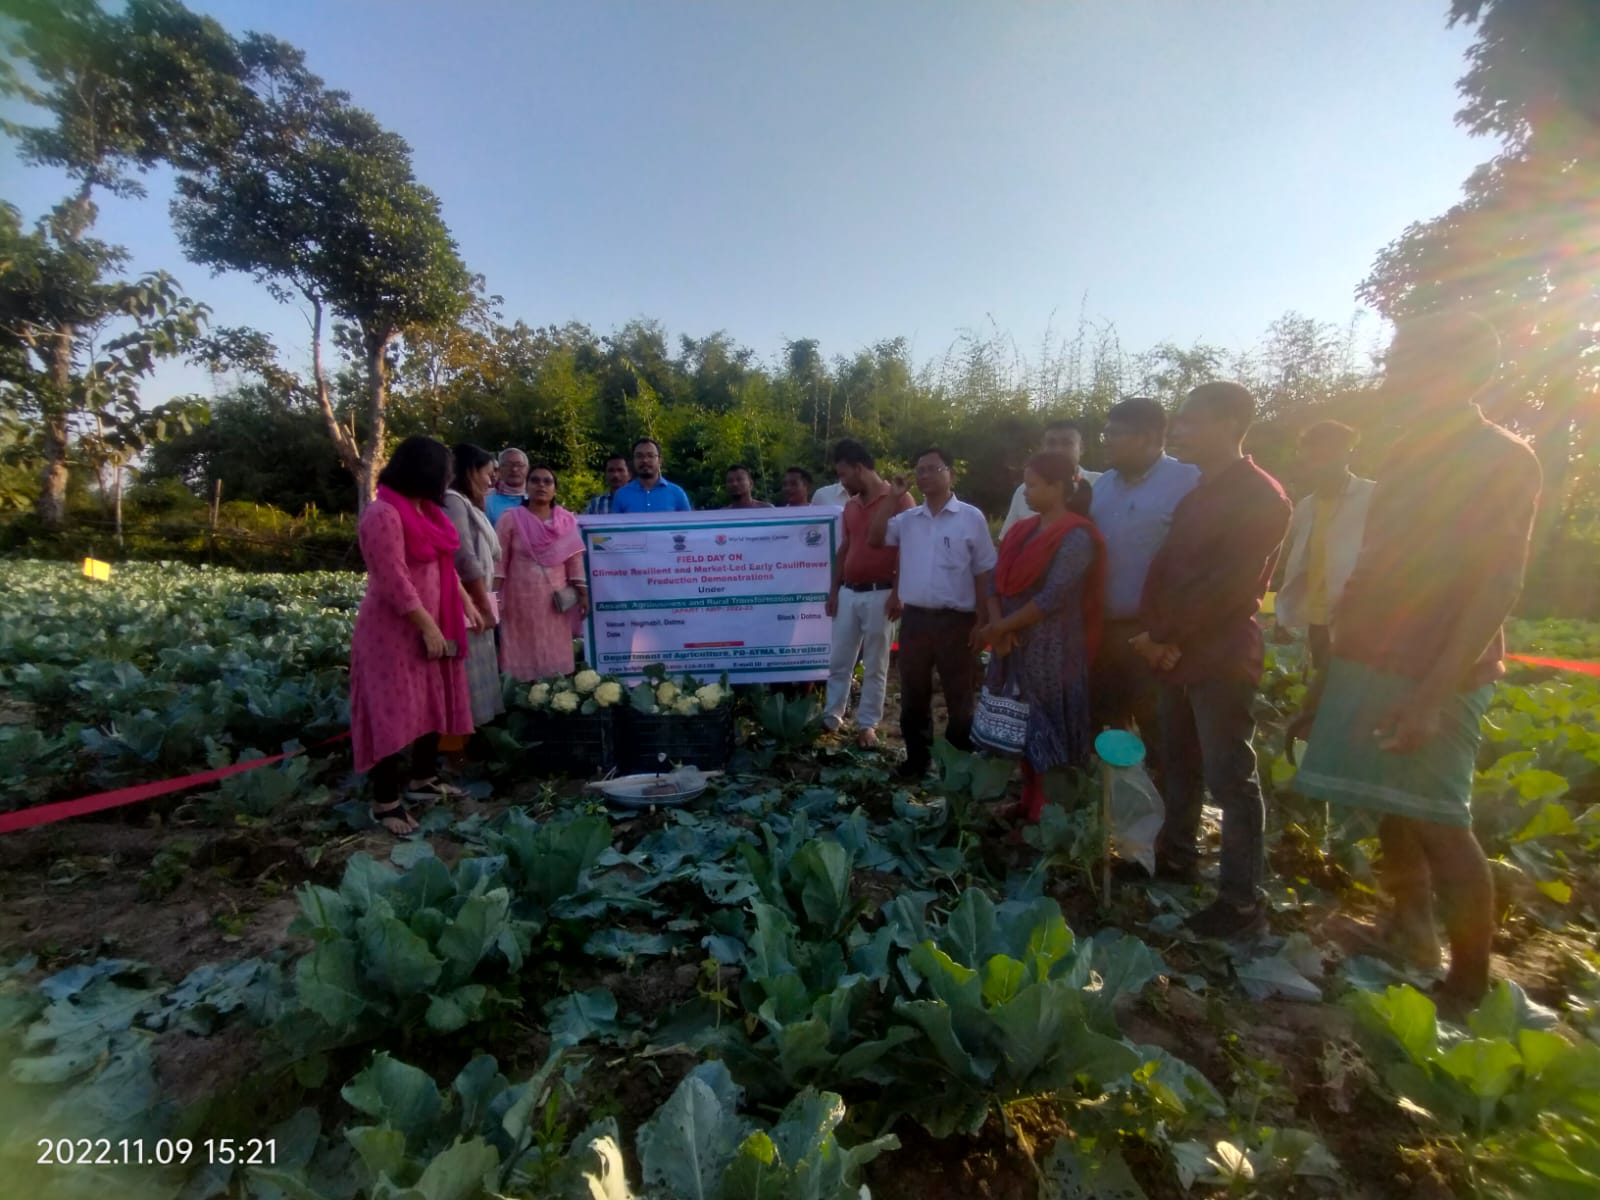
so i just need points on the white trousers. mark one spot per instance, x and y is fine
(861, 628)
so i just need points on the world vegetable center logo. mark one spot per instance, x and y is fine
(611, 543)
(813, 536)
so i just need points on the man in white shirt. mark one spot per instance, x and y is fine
(1060, 437)
(511, 486)
(947, 559)
(1325, 538)
(831, 493)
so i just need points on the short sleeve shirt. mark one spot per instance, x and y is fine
(940, 553)
(863, 562)
(666, 496)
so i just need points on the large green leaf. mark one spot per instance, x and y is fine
(821, 868)
(473, 933)
(800, 1158)
(578, 1016)
(1125, 964)
(1405, 1014)
(934, 1019)
(689, 1142)
(382, 1150)
(397, 1094)
(465, 1171)
(396, 959)
(99, 1010)
(428, 884)
(456, 1009)
(365, 879)
(327, 983)
(475, 1087)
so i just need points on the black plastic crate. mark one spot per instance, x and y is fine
(704, 740)
(577, 744)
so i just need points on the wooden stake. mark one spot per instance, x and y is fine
(1105, 820)
(216, 502)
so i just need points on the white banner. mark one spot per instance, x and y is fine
(738, 592)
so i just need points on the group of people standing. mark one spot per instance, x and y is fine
(1129, 599)
(475, 571)
(1126, 599)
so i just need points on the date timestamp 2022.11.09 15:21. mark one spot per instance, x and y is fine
(160, 1152)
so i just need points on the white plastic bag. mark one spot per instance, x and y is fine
(1136, 815)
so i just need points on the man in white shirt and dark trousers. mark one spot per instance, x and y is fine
(947, 559)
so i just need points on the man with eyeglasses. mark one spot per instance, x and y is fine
(947, 560)
(1133, 505)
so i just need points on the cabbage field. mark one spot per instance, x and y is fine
(810, 984)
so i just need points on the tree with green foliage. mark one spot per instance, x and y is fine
(105, 122)
(1522, 247)
(314, 198)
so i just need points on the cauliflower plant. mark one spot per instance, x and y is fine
(586, 681)
(709, 696)
(565, 702)
(666, 694)
(686, 707)
(539, 695)
(607, 694)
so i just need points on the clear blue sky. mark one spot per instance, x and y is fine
(854, 171)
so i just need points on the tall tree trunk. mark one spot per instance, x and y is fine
(344, 440)
(118, 518)
(372, 454)
(52, 502)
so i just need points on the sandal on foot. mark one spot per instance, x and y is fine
(397, 814)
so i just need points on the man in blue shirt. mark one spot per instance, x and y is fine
(511, 487)
(616, 478)
(649, 492)
(1132, 506)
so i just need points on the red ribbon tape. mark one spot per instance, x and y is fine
(49, 814)
(1565, 664)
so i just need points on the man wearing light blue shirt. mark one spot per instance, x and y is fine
(1133, 505)
(649, 492)
(511, 485)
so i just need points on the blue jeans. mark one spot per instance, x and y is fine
(1207, 744)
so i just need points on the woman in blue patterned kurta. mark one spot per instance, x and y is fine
(1049, 584)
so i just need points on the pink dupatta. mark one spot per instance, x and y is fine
(431, 535)
(549, 545)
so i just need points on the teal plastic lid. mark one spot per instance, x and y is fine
(1119, 748)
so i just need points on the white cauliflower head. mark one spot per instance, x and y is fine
(686, 707)
(608, 693)
(709, 696)
(586, 681)
(539, 695)
(666, 694)
(565, 702)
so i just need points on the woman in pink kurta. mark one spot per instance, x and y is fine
(405, 687)
(540, 553)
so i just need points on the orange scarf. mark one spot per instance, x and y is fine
(1026, 553)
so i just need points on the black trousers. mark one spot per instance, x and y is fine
(1320, 640)
(391, 774)
(1122, 688)
(935, 639)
